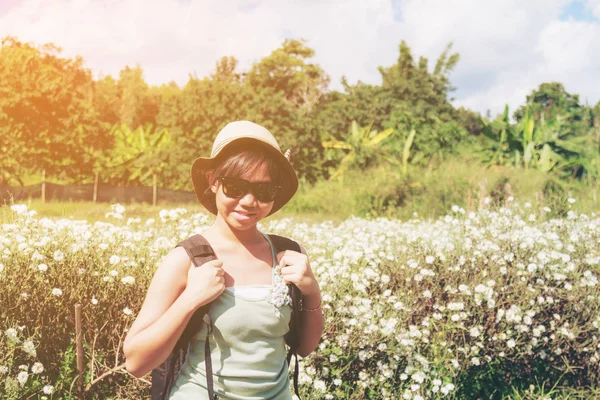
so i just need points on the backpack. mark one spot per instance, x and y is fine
(200, 252)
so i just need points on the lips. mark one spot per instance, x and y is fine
(243, 216)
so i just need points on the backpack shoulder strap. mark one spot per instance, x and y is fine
(163, 377)
(292, 338)
(198, 249)
(200, 252)
(282, 243)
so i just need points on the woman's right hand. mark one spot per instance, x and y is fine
(205, 283)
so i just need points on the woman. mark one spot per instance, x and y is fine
(246, 179)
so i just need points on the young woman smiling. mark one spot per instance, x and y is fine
(246, 179)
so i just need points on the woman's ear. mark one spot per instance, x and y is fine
(212, 182)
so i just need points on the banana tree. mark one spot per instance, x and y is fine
(542, 145)
(502, 146)
(406, 154)
(361, 145)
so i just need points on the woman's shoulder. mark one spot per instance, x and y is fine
(176, 260)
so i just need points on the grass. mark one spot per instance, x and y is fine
(384, 192)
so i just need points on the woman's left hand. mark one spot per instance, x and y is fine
(295, 269)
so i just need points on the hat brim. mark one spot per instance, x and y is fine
(203, 164)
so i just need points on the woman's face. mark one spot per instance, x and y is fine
(245, 212)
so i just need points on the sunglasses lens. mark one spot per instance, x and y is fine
(236, 188)
(266, 192)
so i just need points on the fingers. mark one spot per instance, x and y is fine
(290, 257)
(215, 263)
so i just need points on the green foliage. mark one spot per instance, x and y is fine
(55, 118)
(287, 71)
(46, 112)
(363, 145)
(548, 145)
(137, 154)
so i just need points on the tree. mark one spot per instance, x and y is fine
(287, 70)
(138, 105)
(551, 101)
(362, 144)
(46, 112)
(543, 145)
(138, 154)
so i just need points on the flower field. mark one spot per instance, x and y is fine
(497, 303)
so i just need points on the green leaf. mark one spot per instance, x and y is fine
(380, 137)
(528, 156)
(336, 144)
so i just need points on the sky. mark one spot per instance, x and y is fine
(507, 47)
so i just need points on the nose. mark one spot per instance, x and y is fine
(248, 199)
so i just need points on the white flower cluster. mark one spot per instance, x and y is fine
(411, 304)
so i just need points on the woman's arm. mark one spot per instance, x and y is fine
(176, 291)
(164, 315)
(312, 324)
(296, 269)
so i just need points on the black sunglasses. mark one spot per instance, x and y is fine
(236, 188)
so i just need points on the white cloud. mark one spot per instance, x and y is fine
(507, 47)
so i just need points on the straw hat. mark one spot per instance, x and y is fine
(253, 134)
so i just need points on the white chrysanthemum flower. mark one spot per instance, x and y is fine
(22, 377)
(127, 311)
(94, 300)
(58, 256)
(48, 389)
(29, 348)
(57, 292)
(419, 377)
(19, 209)
(474, 332)
(37, 368)
(114, 259)
(128, 280)
(319, 385)
(12, 334)
(458, 306)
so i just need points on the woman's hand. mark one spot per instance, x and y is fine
(205, 283)
(295, 269)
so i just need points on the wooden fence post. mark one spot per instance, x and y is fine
(79, 343)
(96, 187)
(153, 189)
(43, 186)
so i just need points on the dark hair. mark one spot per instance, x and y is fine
(242, 158)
